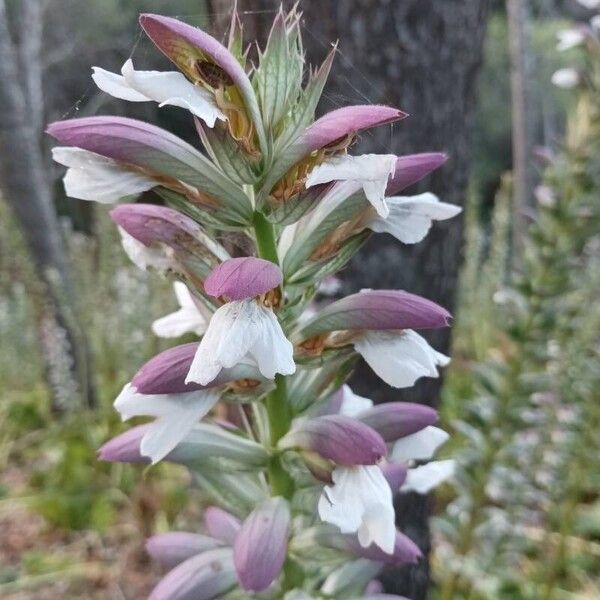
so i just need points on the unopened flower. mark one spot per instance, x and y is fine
(166, 88)
(189, 317)
(221, 525)
(360, 501)
(205, 576)
(245, 326)
(566, 78)
(261, 545)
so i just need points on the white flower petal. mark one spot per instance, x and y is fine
(94, 177)
(360, 501)
(142, 256)
(188, 319)
(369, 171)
(237, 329)
(399, 357)
(411, 217)
(420, 445)
(172, 88)
(353, 404)
(169, 87)
(569, 38)
(116, 86)
(184, 320)
(565, 78)
(273, 352)
(423, 479)
(590, 4)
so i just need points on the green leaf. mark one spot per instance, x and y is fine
(316, 228)
(278, 77)
(224, 152)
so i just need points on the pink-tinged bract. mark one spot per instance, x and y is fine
(243, 277)
(221, 525)
(412, 168)
(172, 548)
(378, 310)
(405, 551)
(394, 420)
(205, 576)
(260, 547)
(125, 447)
(395, 474)
(343, 440)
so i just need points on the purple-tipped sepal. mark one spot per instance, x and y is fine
(405, 551)
(261, 545)
(125, 448)
(342, 440)
(243, 277)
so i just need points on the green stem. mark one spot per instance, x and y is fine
(278, 407)
(265, 238)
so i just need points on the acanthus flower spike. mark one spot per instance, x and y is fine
(244, 327)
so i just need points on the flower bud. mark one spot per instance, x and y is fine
(203, 577)
(261, 545)
(221, 525)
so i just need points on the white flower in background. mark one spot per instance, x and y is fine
(569, 38)
(371, 172)
(411, 217)
(400, 357)
(426, 477)
(93, 177)
(595, 23)
(176, 415)
(360, 501)
(166, 88)
(142, 256)
(565, 78)
(590, 4)
(188, 319)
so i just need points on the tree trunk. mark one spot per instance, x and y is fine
(522, 135)
(422, 56)
(25, 186)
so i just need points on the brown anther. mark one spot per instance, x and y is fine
(272, 299)
(243, 385)
(314, 346)
(211, 74)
